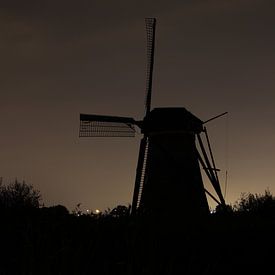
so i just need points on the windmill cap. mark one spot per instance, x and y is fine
(172, 120)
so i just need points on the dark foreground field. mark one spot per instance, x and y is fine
(53, 241)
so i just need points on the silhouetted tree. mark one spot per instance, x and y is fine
(227, 209)
(256, 203)
(77, 210)
(19, 195)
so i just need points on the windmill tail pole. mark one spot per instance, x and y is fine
(211, 174)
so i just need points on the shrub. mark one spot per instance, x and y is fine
(256, 203)
(19, 195)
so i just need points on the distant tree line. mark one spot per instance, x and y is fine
(21, 195)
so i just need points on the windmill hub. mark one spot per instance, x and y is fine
(171, 120)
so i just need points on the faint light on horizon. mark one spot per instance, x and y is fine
(97, 211)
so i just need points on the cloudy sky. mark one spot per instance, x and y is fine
(61, 58)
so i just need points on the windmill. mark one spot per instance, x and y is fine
(168, 174)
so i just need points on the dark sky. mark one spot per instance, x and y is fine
(62, 58)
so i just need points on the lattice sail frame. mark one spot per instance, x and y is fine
(150, 32)
(105, 129)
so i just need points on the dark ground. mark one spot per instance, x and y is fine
(52, 241)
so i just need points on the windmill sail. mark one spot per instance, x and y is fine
(106, 126)
(143, 150)
(150, 29)
(140, 173)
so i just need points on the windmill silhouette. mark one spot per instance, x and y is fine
(168, 175)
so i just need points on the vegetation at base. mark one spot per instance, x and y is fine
(51, 240)
(263, 204)
(18, 195)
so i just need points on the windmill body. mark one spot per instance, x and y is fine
(168, 177)
(173, 182)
